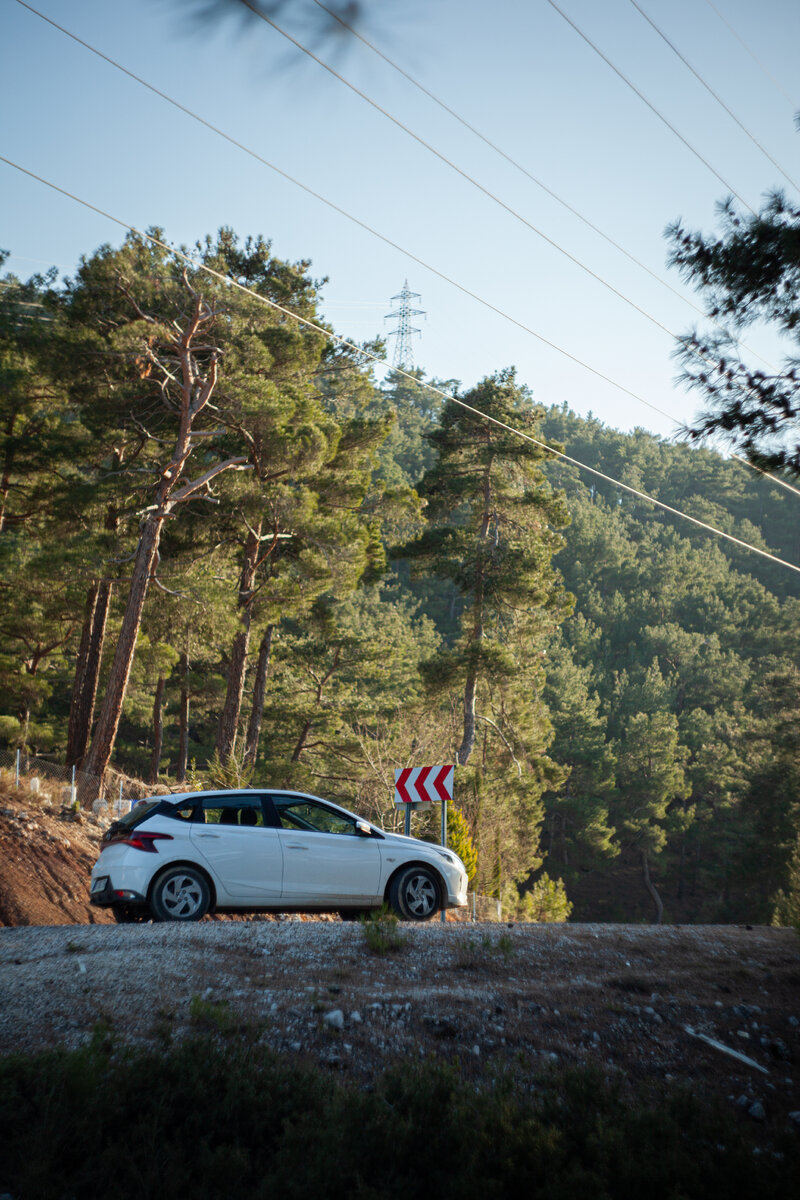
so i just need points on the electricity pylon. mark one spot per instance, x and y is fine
(403, 353)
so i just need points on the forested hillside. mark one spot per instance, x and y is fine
(228, 554)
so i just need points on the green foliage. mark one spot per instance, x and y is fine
(212, 1016)
(787, 901)
(382, 932)
(655, 725)
(748, 275)
(544, 901)
(460, 840)
(228, 772)
(237, 1111)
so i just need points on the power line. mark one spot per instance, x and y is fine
(385, 239)
(508, 158)
(459, 170)
(360, 350)
(356, 220)
(649, 104)
(711, 92)
(754, 57)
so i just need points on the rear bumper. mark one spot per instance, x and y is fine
(103, 894)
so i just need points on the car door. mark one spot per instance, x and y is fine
(324, 857)
(244, 852)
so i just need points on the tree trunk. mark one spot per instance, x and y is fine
(158, 728)
(99, 755)
(229, 720)
(5, 479)
(471, 684)
(183, 720)
(87, 672)
(301, 741)
(259, 691)
(648, 883)
(194, 392)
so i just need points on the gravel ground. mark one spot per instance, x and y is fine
(639, 1001)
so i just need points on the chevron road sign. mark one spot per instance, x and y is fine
(423, 785)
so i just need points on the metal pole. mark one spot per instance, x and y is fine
(442, 914)
(72, 786)
(17, 772)
(119, 806)
(407, 823)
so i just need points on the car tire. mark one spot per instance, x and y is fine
(414, 894)
(180, 894)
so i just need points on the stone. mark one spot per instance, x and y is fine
(334, 1019)
(757, 1111)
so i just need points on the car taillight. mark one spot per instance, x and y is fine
(145, 841)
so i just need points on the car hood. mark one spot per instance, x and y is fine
(417, 843)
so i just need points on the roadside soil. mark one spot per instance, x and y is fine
(714, 1008)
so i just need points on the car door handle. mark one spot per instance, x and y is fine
(296, 846)
(208, 835)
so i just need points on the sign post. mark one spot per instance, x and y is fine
(415, 787)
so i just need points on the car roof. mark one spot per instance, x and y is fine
(182, 797)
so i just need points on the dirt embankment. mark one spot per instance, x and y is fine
(46, 855)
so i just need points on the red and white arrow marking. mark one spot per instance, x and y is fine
(423, 785)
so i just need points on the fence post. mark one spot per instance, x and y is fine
(119, 803)
(16, 780)
(72, 786)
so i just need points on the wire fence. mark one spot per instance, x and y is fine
(71, 787)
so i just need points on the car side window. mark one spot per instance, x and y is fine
(242, 811)
(295, 813)
(182, 814)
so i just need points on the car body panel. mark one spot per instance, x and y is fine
(245, 863)
(330, 866)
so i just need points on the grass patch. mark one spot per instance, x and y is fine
(212, 1016)
(382, 932)
(484, 951)
(205, 1119)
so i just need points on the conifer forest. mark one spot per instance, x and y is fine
(229, 555)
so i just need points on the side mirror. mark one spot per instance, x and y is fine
(363, 829)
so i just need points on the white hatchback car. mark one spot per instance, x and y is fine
(177, 858)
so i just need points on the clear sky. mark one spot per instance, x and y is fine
(514, 69)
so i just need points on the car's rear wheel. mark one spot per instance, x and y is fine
(180, 894)
(414, 894)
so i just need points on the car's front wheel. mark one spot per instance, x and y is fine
(180, 894)
(414, 894)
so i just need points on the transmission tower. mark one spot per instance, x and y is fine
(403, 353)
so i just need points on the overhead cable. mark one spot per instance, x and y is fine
(387, 241)
(508, 158)
(712, 93)
(644, 100)
(454, 167)
(360, 350)
(754, 57)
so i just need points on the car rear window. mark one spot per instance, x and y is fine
(137, 813)
(123, 825)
